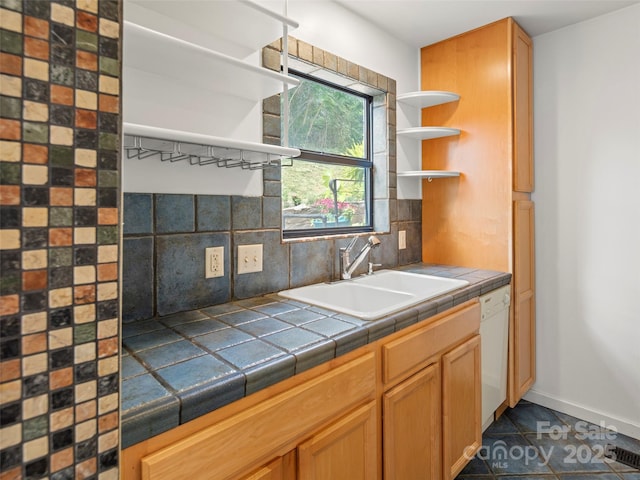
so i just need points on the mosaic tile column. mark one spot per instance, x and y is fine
(59, 200)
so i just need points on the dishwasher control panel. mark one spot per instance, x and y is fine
(495, 301)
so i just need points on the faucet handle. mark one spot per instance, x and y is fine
(371, 265)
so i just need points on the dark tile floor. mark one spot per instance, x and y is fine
(531, 442)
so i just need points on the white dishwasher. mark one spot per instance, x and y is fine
(494, 335)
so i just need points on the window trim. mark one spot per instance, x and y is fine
(334, 159)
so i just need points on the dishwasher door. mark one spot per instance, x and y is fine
(494, 334)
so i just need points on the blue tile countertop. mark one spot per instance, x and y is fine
(178, 367)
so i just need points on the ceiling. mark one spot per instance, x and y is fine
(423, 22)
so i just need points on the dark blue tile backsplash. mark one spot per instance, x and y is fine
(138, 213)
(213, 213)
(246, 212)
(312, 260)
(138, 283)
(181, 268)
(175, 213)
(165, 236)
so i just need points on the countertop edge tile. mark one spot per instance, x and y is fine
(381, 328)
(426, 311)
(350, 340)
(314, 355)
(149, 420)
(444, 302)
(268, 373)
(205, 398)
(406, 318)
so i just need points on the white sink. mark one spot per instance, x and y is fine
(351, 298)
(370, 297)
(423, 286)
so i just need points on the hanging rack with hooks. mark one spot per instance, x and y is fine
(142, 142)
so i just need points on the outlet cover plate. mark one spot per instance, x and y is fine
(402, 239)
(249, 258)
(214, 262)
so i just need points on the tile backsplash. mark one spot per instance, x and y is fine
(165, 236)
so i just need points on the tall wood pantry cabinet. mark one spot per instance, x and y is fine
(484, 218)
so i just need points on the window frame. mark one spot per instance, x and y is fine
(335, 159)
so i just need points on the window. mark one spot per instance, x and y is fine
(328, 188)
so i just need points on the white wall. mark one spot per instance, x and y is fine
(587, 157)
(324, 24)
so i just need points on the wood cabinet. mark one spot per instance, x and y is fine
(282, 468)
(258, 430)
(461, 406)
(408, 405)
(346, 450)
(413, 427)
(522, 375)
(432, 419)
(522, 60)
(477, 221)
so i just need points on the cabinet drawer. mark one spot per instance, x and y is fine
(405, 355)
(225, 449)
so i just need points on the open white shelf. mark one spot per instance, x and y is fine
(215, 24)
(155, 52)
(428, 174)
(142, 141)
(426, 133)
(427, 98)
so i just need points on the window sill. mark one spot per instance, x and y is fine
(337, 236)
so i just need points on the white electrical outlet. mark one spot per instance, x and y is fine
(249, 258)
(402, 239)
(214, 262)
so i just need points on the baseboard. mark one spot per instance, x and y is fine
(626, 427)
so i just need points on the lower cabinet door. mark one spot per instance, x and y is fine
(461, 406)
(522, 339)
(412, 427)
(282, 468)
(346, 450)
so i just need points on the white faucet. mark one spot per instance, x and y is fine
(348, 266)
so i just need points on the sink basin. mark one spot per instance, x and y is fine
(423, 286)
(350, 297)
(370, 297)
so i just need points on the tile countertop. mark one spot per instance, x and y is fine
(179, 367)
